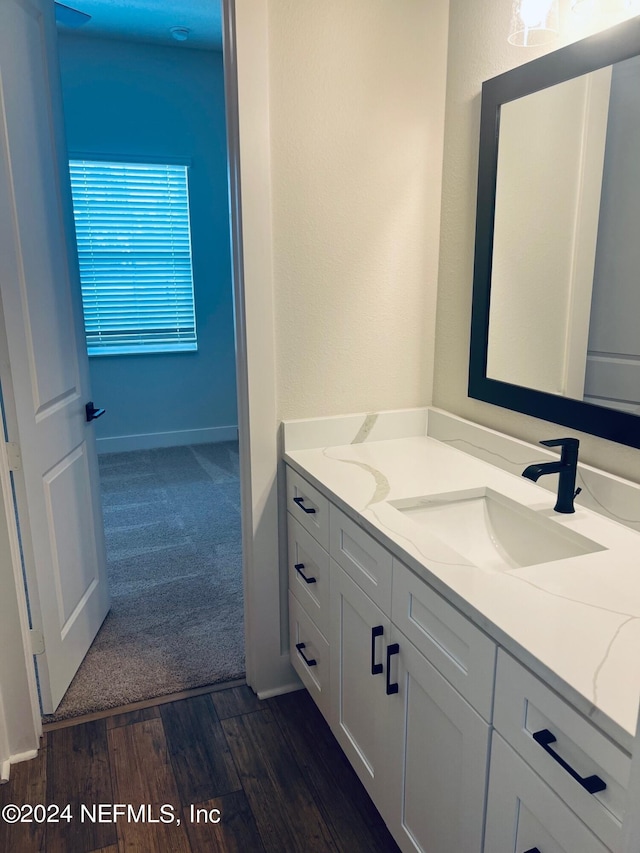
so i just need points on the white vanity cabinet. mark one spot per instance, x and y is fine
(460, 746)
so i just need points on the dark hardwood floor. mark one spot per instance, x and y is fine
(226, 772)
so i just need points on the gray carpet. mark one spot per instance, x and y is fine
(172, 527)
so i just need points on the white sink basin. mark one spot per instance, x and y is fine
(492, 531)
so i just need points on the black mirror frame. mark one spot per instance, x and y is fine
(614, 45)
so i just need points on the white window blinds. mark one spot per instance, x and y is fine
(134, 249)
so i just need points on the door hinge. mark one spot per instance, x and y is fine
(14, 457)
(37, 642)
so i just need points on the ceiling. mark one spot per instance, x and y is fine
(151, 21)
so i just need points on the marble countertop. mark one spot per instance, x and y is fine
(575, 621)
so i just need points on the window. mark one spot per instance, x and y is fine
(134, 249)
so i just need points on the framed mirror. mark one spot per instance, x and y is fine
(555, 329)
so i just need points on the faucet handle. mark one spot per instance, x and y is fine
(561, 442)
(569, 454)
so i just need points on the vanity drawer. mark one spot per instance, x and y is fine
(309, 573)
(524, 705)
(308, 506)
(524, 814)
(460, 651)
(363, 559)
(307, 642)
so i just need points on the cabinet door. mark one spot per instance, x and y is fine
(358, 638)
(524, 815)
(437, 773)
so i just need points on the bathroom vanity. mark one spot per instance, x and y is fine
(469, 647)
(474, 651)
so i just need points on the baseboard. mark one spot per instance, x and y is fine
(5, 766)
(18, 757)
(175, 438)
(278, 691)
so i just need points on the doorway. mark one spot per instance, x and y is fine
(268, 667)
(168, 442)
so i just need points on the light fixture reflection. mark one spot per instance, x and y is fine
(604, 7)
(534, 22)
(583, 7)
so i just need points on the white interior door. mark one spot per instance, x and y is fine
(43, 361)
(5, 752)
(613, 359)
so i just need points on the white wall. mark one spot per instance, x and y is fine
(357, 106)
(247, 78)
(478, 50)
(135, 100)
(340, 119)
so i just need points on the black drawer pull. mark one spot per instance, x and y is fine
(533, 850)
(393, 649)
(592, 784)
(378, 631)
(308, 509)
(308, 661)
(299, 567)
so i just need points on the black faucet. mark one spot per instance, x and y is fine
(566, 468)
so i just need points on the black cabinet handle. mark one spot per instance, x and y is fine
(393, 649)
(299, 567)
(378, 631)
(308, 661)
(533, 850)
(92, 413)
(592, 784)
(307, 509)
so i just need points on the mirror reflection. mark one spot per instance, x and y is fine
(564, 313)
